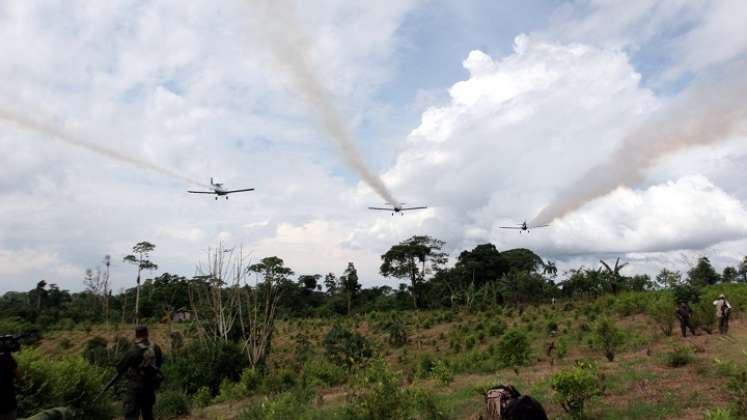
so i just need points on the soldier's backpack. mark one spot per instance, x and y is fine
(505, 402)
(148, 369)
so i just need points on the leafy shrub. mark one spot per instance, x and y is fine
(322, 372)
(396, 331)
(65, 344)
(424, 365)
(69, 381)
(279, 380)
(631, 303)
(497, 328)
(661, 310)
(96, 352)
(205, 364)
(202, 397)
(230, 391)
(514, 349)
(718, 414)
(679, 356)
(441, 371)
(172, 403)
(551, 327)
(574, 387)
(378, 394)
(608, 338)
(469, 342)
(704, 316)
(345, 347)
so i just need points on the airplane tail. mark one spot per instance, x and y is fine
(211, 181)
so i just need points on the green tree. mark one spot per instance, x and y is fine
(703, 273)
(729, 275)
(615, 280)
(522, 259)
(667, 279)
(608, 338)
(140, 257)
(309, 281)
(413, 259)
(743, 270)
(349, 283)
(330, 283)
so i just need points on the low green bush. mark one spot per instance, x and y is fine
(346, 347)
(205, 364)
(607, 338)
(442, 372)
(324, 373)
(172, 403)
(679, 356)
(513, 349)
(70, 381)
(575, 387)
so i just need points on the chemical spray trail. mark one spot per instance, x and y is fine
(51, 132)
(281, 26)
(708, 113)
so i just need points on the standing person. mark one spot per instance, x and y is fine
(684, 313)
(723, 310)
(142, 364)
(9, 372)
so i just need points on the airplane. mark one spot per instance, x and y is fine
(523, 227)
(218, 190)
(398, 208)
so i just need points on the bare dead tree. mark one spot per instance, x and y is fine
(215, 293)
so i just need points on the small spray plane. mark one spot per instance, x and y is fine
(399, 208)
(218, 190)
(522, 227)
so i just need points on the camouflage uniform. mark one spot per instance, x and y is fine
(142, 364)
(53, 414)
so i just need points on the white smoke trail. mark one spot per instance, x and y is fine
(291, 48)
(708, 113)
(51, 132)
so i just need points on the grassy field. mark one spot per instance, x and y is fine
(639, 384)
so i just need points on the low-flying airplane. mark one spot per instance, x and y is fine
(399, 208)
(522, 227)
(218, 190)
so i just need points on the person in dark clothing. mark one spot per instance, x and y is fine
(684, 313)
(9, 372)
(505, 402)
(142, 365)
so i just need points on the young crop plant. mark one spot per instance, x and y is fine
(575, 387)
(513, 349)
(442, 372)
(608, 338)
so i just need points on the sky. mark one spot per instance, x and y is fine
(488, 112)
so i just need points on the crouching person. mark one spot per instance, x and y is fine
(504, 402)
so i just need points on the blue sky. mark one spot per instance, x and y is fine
(486, 111)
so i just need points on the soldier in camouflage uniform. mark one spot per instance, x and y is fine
(142, 365)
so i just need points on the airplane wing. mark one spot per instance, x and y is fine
(201, 192)
(381, 208)
(538, 226)
(242, 190)
(415, 208)
(510, 227)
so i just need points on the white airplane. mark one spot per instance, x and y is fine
(218, 190)
(523, 227)
(398, 208)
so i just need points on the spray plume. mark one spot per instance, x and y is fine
(707, 113)
(292, 52)
(51, 132)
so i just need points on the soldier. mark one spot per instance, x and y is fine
(723, 310)
(142, 365)
(684, 313)
(9, 372)
(61, 413)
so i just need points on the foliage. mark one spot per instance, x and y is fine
(442, 372)
(513, 349)
(379, 395)
(172, 403)
(718, 414)
(608, 338)
(96, 351)
(202, 397)
(346, 347)
(661, 310)
(205, 364)
(69, 381)
(678, 356)
(323, 372)
(703, 273)
(413, 259)
(574, 387)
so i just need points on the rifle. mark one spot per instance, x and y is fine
(109, 385)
